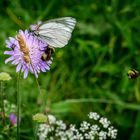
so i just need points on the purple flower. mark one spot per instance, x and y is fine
(13, 118)
(26, 52)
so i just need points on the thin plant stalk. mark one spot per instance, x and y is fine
(43, 104)
(35, 130)
(2, 101)
(39, 89)
(18, 108)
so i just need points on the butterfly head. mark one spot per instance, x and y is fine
(35, 27)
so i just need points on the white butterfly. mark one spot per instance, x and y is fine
(55, 32)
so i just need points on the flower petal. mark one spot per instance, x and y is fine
(18, 67)
(25, 73)
(15, 62)
(9, 59)
(9, 52)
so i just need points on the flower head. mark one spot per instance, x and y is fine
(52, 119)
(26, 52)
(105, 122)
(40, 118)
(94, 115)
(112, 132)
(5, 76)
(13, 119)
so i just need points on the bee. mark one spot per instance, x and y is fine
(23, 48)
(47, 54)
(133, 74)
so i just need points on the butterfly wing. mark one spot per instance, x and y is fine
(57, 32)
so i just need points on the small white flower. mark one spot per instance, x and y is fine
(43, 131)
(72, 128)
(95, 129)
(93, 115)
(79, 136)
(61, 125)
(69, 134)
(87, 136)
(84, 126)
(13, 107)
(52, 119)
(51, 138)
(102, 135)
(60, 133)
(90, 135)
(112, 132)
(6, 102)
(105, 122)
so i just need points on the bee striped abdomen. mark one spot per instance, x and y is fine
(133, 74)
(47, 54)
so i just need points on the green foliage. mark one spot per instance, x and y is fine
(89, 74)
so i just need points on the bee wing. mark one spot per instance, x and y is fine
(57, 32)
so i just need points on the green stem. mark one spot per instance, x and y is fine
(2, 101)
(35, 131)
(39, 89)
(18, 108)
(44, 102)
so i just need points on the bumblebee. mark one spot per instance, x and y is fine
(48, 53)
(132, 74)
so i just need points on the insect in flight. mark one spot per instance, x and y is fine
(56, 33)
(133, 73)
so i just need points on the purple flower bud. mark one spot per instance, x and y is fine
(13, 119)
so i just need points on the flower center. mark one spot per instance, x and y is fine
(24, 49)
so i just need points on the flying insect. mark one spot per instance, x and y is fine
(133, 74)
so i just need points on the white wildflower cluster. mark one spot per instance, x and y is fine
(8, 108)
(93, 115)
(84, 126)
(98, 128)
(105, 122)
(112, 133)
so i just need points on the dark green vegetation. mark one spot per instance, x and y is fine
(91, 69)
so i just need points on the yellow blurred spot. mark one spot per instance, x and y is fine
(4, 76)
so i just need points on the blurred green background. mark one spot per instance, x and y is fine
(89, 74)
